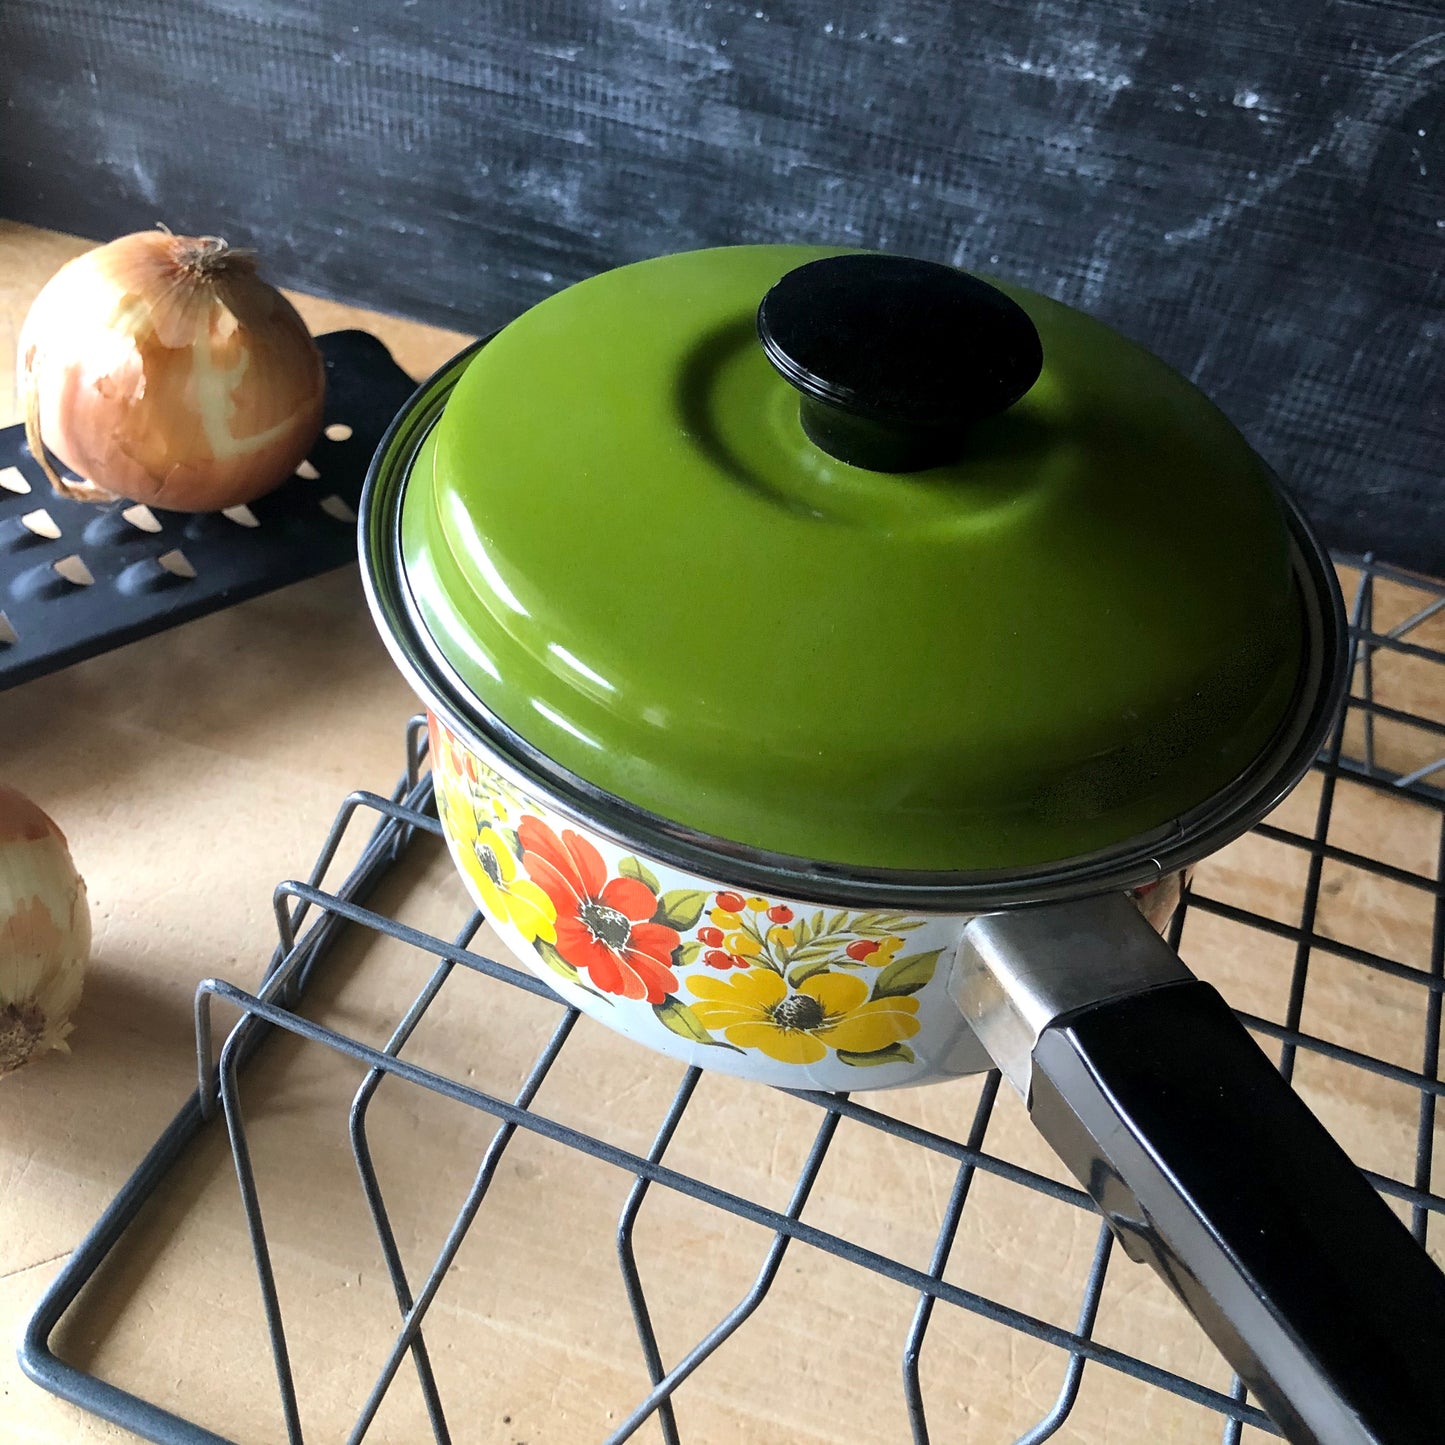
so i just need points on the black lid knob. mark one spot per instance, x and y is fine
(896, 358)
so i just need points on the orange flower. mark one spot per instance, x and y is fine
(604, 925)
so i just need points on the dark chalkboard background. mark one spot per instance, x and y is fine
(1252, 190)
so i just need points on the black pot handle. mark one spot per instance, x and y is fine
(1210, 1168)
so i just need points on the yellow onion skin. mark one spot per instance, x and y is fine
(44, 933)
(163, 370)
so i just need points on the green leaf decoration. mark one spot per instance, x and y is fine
(880, 925)
(906, 975)
(803, 971)
(828, 948)
(802, 932)
(673, 1014)
(631, 867)
(513, 841)
(556, 962)
(686, 953)
(893, 1054)
(559, 965)
(679, 909)
(837, 922)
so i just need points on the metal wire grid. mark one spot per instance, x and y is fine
(309, 918)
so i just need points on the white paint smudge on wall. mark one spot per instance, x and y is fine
(126, 155)
(1354, 136)
(1086, 63)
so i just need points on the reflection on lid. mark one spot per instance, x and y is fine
(578, 666)
(557, 720)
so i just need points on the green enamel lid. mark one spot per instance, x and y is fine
(1076, 626)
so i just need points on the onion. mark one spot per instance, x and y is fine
(44, 933)
(162, 369)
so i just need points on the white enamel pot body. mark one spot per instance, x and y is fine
(785, 990)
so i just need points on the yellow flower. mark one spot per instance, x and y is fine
(490, 864)
(724, 919)
(743, 943)
(756, 1010)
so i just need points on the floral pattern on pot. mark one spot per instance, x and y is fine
(488, 855)
(802, 995)
(615, 930)
(758, 1010)
(794, 987)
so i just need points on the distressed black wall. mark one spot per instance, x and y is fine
(1254, 191)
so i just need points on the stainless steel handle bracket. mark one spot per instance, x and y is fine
(1017, 972)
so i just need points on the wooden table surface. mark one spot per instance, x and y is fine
(194, 769)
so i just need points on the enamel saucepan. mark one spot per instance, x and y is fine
(835, 662)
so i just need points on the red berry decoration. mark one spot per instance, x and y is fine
(860, 948)
(780, 913)
(731, 902)
(716, 958)
(710, 936)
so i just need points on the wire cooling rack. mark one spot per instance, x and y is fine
(1345, 979)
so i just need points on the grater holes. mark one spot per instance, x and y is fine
(73, 569)
(307, 472)
(334, 506)
(13, 480)
(141, 517)
(8, 635)
(41, 523)
(176, 563)
(338, 431)
(241, 515)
